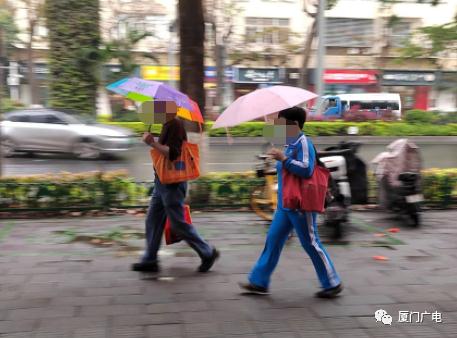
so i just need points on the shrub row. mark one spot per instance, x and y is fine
(117, 190)
(430, 117)
(255, 129)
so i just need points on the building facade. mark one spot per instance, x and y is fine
(263, 44)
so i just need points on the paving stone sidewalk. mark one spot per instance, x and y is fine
(70, 278)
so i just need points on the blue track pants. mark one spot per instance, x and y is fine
(304, 224)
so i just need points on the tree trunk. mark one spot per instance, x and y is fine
(303, 82)
(31, 66)
(192, 37)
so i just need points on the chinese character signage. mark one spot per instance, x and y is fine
(404, 78)
(171, 73)
(160, 73)
(211, 74)
(349, 76)
(258, 75)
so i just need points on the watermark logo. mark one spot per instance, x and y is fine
(407, 316)
(382, 316)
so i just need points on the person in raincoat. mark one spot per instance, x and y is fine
(299, 158)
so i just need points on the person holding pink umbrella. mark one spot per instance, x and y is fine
(299, 158)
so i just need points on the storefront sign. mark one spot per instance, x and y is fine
(349, 76)
(448, 79)
(167, 73)
(258, 75)
(160, 73)
(211, 74)
(394, 78)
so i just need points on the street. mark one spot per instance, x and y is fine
(438, 152)
(57, 282)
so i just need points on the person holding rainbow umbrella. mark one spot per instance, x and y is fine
(163, 104)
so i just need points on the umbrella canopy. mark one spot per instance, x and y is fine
(193, 114)
(262, 102)
(114, 87)
(157, 90)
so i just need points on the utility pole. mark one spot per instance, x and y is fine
(171, 53)
(2, 65)
(320, 84)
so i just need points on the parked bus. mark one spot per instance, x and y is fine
(335, 106)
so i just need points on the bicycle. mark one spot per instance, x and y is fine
(264, 198)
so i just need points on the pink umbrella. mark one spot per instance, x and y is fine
(262, 102)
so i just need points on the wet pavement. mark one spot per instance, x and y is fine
(70, 277)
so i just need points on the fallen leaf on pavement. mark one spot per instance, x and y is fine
(380, 258)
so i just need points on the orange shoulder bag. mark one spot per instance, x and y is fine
(186, 167)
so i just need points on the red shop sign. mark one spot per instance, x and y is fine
(351, 76)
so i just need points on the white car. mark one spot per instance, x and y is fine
(49, 130)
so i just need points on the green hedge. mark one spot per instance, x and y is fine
(86, 190)
(430, 117)
(117, 190)
(254, 129)
(440, 186)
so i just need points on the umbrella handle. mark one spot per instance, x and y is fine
(266, 120)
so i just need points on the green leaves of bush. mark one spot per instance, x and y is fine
(74, 38)
(336, 128)
(117, 190)
(418, 116)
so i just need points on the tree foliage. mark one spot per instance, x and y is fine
(121, 50)
(74, 38)
(432, 42)
(7, 24)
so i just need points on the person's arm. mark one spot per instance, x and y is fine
(148, 138)
(303, 166)
(174, 134)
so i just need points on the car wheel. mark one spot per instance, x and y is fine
(8, 147)
(87, 150)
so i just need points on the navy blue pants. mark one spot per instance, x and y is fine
(304, 224)
(168, 201)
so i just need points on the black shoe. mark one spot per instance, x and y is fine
(146, 267)
(331, 292)
(254, 289)
(207, 263)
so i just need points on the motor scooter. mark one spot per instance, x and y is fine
(397, 172)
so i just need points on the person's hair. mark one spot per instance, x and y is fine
(296, 114)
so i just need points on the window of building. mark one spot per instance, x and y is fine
(400, 33)
(156, 25)
(349, 32)
(267, 30)
(41, 29)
